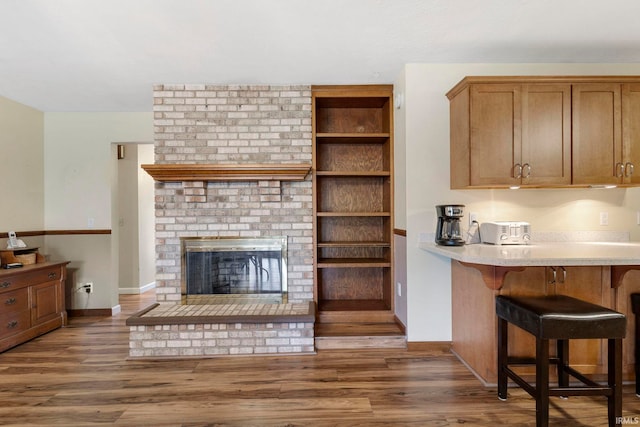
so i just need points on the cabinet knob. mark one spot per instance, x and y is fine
(10, 301)
(12, 324)
(5, 284)
(628, 169)
(52, 275)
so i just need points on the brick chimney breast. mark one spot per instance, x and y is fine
(233, 124)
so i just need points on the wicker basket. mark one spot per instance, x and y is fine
(26, 259)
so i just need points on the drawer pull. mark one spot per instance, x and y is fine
(52, 275)
(12, 324)
(10, 301)
(5, 284)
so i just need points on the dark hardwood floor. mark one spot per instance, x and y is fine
(81, 376)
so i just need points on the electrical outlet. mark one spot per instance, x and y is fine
(604, 218)
(88, 287)
(473, 217)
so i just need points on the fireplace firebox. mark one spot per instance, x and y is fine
(219, 270)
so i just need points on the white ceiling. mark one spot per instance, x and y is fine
(105, 55)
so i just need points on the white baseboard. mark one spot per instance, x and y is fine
(137, 290)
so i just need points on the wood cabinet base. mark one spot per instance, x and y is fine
(32, 302)
(474, 323)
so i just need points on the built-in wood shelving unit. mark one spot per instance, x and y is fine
(353, 203)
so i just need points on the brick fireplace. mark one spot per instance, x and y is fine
(229, 151)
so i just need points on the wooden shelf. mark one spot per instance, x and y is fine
(351, 138)
(353, 305)
(352, 262)
(226, 172)
(353, 173)
(352, 244)
(354, 214)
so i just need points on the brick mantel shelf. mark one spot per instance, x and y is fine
(227, 172)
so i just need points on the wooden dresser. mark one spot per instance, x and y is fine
(31, 302)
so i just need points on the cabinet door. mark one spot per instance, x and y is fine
(590, 284)
(46, 302)
(597, 133)
(631, 132)
(495, 134)
(529, 282)
(546, 134)
(585, 283)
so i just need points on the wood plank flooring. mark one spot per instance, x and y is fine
(80, 376)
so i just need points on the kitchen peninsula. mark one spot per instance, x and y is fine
(604, 273)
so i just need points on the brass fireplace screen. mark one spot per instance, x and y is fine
(234, 270)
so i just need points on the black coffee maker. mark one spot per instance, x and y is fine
(449, 231)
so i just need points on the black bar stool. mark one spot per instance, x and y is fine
(635, 306)
(561, 318)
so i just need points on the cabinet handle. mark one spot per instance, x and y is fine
(517, 167)
(527, 168)
(52, 275)
(5, 284)
(564, 275)
(619, 170)
(628, 168)
(10, 301)
(12, 324)
(554, 276)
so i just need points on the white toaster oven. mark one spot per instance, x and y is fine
(505, 233)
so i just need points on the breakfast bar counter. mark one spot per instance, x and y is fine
(542, 254)
(604, 273)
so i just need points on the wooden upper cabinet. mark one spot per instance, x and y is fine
(545, 131)
(631, 133)
(494, 142)
(518, 134)
(546, 134)
(597, 133)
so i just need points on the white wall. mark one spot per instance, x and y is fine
(136, 225)
(127, 225)
(146, 219)
(426, 139)
(78, 192)
(22, 166)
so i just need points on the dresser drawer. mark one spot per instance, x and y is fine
(14, 322)
(14, 301)
(9, 282)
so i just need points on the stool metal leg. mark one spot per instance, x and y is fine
(542, 382)
(614, 375)
(503, 334)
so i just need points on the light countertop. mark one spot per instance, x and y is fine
(542, 254)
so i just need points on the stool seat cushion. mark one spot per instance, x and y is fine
(561, 317)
